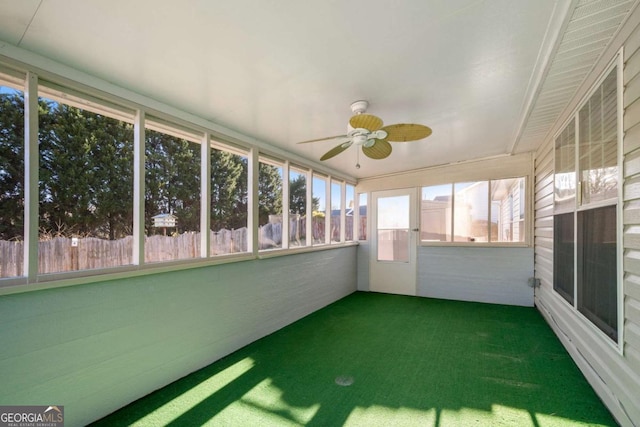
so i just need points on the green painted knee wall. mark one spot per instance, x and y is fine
(96, 347)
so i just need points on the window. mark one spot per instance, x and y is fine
(229, 200)
(597, 272)
(598, 142)
(350, 193)
(590, 281)
(563, 255)
(269, 204)
(435, 213)
(86, 185)
(362, 216)
(336, 211)
(471, 212)
(480, 211)
(297, 207)
(507, 210)
(87, 211)
(172, 194)
(319, 191)
(11, 180)
(393, 228)
(565, 164)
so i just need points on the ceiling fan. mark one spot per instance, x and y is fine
(367, 130)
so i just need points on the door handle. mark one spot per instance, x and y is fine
(415, 229)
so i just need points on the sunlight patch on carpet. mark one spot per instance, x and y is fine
(265, 405)
(550, 420)
(377, 415)
(189, 399)
(498, 416)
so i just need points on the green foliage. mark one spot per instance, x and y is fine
(298, 196)
(172, 180)
(86, 176)
(269, 192)
(11, 166)
(228, 190)
(86, 173)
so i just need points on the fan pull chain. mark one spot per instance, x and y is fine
(357, 158)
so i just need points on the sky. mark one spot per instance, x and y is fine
(4, 89)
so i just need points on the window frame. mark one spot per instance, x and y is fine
(206, 198)
(579, 206)
(181, 133)
(326, 240)
(489, 243)
(359, 221)
(340, 186)
(273, 161)
(101, 98)
(350, 188)
(301, 171)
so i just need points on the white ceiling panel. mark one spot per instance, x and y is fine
(15, 17)
(286, 71)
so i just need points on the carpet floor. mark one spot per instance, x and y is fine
(386, 360)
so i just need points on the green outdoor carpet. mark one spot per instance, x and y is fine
(386, 360)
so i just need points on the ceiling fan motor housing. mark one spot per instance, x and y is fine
(359, 107)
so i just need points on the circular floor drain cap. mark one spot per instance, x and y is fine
(344, 380)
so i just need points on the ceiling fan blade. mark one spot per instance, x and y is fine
(335, 151)
(403, 132)
(367, 121)
(380, 150)
(323, 139)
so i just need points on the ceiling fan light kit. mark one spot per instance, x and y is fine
(367, 131)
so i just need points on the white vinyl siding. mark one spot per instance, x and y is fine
(631, 213)
(613, 372)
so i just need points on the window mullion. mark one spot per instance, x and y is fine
(453, 203)
(31, 177)
(205, 196)
(489, 211)
(577, 203)
(327, 216)
(138, 188)
(286, 180)
(309, 210)
(252, 197)
(343, 211)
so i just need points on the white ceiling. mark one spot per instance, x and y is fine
(283, 71)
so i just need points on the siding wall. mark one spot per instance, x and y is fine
(615, 377)
(493, 275)
(99, 346)
(364, 252)
(496, 275)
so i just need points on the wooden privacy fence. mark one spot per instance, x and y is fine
(61, 254)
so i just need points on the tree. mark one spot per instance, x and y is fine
(269, 192)
(86, 176)
(172, 180)
(298, 196)
(228, 190)
(86, 173)
(111, 151)
(64, 181)
(11, 166)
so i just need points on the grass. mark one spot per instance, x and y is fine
(410, 361)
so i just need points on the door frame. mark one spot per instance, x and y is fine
(376, 273)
